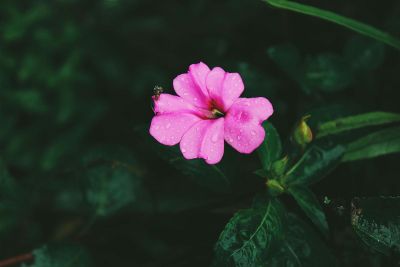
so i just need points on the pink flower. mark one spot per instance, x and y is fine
(208, 111)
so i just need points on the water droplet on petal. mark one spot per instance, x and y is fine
(168, 125)
(253, 133)
(238, 137)
(183, 150)
(214, 138)
(156, 127)
(195, 99)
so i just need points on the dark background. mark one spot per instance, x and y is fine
(76, 80)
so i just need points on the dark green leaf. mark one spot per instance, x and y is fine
(357, 121)
(247, 237)
(373, 145)
(310, 205)
(61, 256)
(271, 149)
(326, 72)
(364, 54)
(103, 187)
(301, 247)
(316, 162)
(338, 19)
(376, 221)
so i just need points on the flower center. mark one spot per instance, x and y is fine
(216, 113)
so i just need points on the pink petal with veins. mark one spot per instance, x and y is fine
(168, 129)
(243, 130)
(204, 140)
(224, 87)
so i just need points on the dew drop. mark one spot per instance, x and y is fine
(156, 127)
(238, 137)
(183, 150)
(168, 125)
(214, 138)
(195, 99)
(253, 133)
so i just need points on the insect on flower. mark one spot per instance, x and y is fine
(206, 112)
(157, 91)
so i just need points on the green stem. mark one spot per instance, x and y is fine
(338, 19)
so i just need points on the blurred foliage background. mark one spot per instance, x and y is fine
(79, 171)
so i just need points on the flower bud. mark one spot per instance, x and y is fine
(274, 187)
(278, 168)
(302, 134)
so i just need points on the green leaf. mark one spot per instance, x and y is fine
(101, 188)
(110, 189)
(379, 143)
(271, 148)
(247, 237)
(310, 205)
(364, 54)
(326, 72)
(300, 247)
(357, 121)
(376, 221)
(315, 163)
(352, 24)
(61, 256)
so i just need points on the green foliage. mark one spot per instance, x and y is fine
(376, 220)
(310, 205)
(354, 122)
(364, 54)
(338, 19)
(327, 73)
(271, 149)
(315, 163)
(60, 256)
(300, 247)
(103, 187)
(76, 80)
(248, 236)
(378, 143)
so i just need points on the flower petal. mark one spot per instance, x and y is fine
(204, 140)
(243, 130)
(191, 85)
(258, 107)
(224, 87)
(199, 74)
(167, 103)
(169, 128)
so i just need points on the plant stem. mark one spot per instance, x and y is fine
(352, 24)
(17, 259)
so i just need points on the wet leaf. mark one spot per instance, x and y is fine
(316, 162)
(248, 236)
(300, 247)
(311, 206)
(376, 220)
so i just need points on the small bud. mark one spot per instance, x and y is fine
(278, 168)
(274, 187)
(302, 134)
